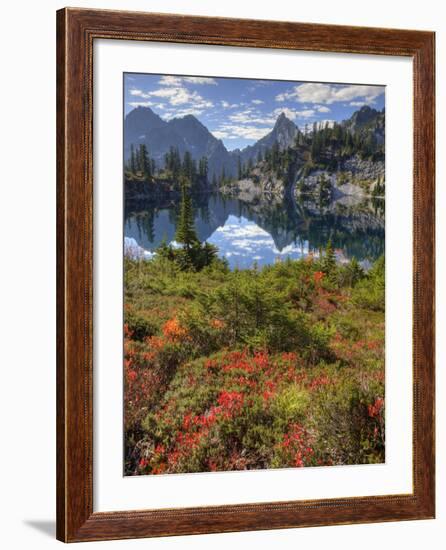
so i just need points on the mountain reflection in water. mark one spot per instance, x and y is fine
(263, 231)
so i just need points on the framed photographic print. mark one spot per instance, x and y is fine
(245, 275)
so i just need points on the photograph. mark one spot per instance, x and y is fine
(221, 300)
(254, 274)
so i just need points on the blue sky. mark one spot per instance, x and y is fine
(241, 111)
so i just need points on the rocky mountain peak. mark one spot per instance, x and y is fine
(284, 131)
(144, 116)
(364, 116)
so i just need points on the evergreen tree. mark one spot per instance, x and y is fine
(268, 158)
(144, 161)
(208, 254)
(185, 233)
(250, 166)
(355, 271)
(165, 250)
(132, 159)
(275, 157)
(172, 162)
(188, 168)
(316, 143)
(328, 263)
(203, 167)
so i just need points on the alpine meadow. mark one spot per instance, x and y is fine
(254, 274)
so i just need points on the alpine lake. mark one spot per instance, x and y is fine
(264, 230)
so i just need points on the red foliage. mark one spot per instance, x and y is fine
(231, 402)
(375, 409)
(295, 447)
(173, 331)
(319, 381)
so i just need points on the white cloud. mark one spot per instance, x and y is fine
(330, 93)
(323, 109)
(176, 96)
(222, 134)
(252, 124)
(293, 113)
(227, 105)
(167, 92)
(141, 103)
(257, 101)
(250, 116)
(200, 80)
(138, 93)
(178, 80)
(134, 251)
(178, 113)
(235, 131)
(170, 81)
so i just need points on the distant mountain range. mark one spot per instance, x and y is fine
(143, 126)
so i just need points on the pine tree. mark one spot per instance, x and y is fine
(316, 143)
(132, 159)
(355, 271)
(203, 167)
(185, 233)
(275, 156)
(250, 166)
(175, 162)
(144, 161)
(329, 261)
(188, 168)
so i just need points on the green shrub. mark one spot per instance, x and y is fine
(346, 431)
(140, 326)
(369, 292)
(290, 405)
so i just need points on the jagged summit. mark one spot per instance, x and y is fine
(185, 133)
(284, 133)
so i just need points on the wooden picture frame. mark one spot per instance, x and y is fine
(76, 31)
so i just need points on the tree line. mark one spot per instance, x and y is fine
(141, 165)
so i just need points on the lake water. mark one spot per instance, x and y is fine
(263, 230)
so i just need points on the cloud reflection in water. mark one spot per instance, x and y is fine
(242, 242)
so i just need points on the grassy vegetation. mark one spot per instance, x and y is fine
(262, 368)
